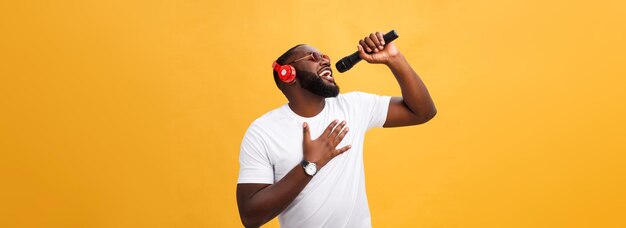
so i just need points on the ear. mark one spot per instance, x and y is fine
(295, 77)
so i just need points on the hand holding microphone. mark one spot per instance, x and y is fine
(375, 48)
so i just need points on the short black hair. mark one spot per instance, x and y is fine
(281, 60)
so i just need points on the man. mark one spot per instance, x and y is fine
(303, 161)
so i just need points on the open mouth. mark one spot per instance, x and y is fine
(327, 74)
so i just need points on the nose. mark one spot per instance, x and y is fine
(325, 62)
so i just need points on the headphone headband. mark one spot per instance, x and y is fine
(276, 66)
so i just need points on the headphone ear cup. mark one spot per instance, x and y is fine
(287, 74)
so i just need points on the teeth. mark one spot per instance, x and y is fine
(326, 73)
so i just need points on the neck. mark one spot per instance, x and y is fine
(307, 104)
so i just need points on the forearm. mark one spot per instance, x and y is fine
(267, 203)
(414, 93)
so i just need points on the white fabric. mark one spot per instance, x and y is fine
(335, 197)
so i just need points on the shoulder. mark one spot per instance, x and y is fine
(262, 125)
(355, 96)
(349, 95)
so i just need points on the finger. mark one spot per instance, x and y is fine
(306, 134)
(363, 55)
(381, 38)
(341, 150)
(364, 45)
(376, 41)
(371, 44)
(341, 135)
(337, 130)
(329, 128)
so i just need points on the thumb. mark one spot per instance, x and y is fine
(363, 55)
(306, 134)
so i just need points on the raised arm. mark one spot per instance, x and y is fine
(259, 203)
(415, 106)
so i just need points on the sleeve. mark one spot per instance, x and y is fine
(254, 163)
(374, 107)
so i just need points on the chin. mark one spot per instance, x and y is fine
(318, 86)
(333, 93)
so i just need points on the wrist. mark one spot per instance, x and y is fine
(319, 162)
(395, 60)
(310, 168)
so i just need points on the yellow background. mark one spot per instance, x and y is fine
(131, 113)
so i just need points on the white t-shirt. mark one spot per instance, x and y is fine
(335, 197)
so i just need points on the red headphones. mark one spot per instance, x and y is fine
(286, 73)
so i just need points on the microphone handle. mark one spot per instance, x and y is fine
(348, 62)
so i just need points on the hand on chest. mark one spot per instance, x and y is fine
(286, 147)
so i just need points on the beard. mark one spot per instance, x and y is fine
(316, 85)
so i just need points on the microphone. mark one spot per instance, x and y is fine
(349, 61)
